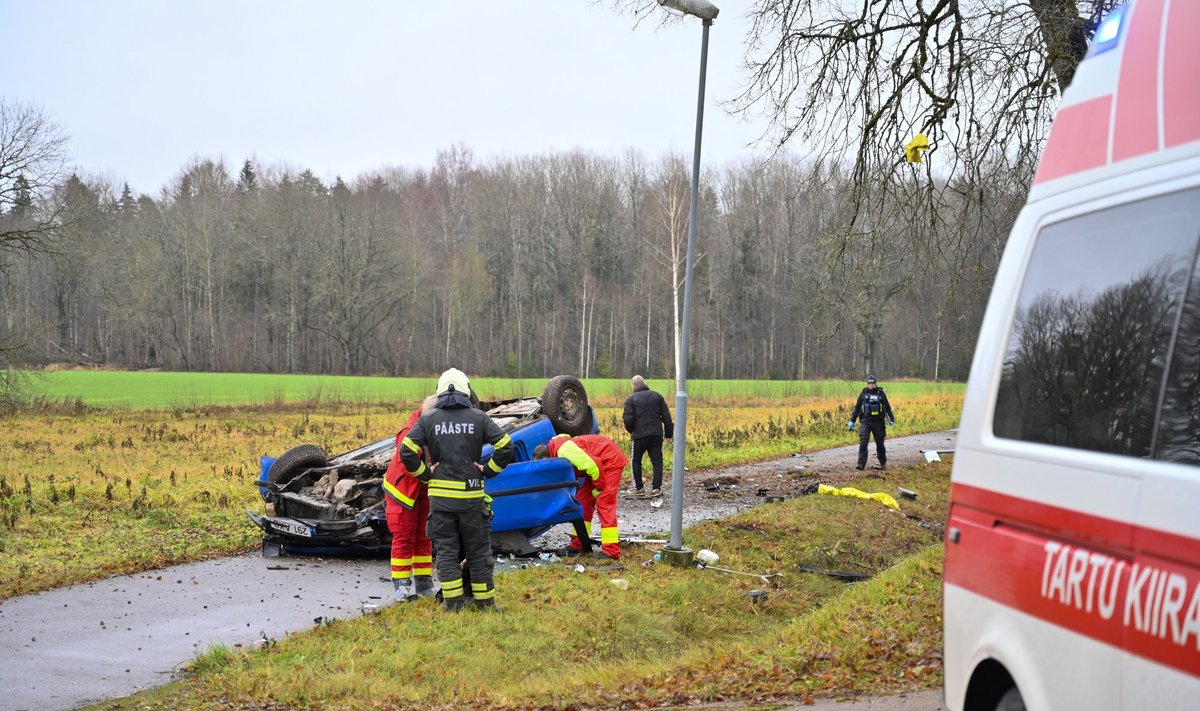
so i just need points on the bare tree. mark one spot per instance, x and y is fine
(668, 242)
(856, 80)
(32, 162)
(354, 290)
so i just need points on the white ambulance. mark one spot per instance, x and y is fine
(1072, 571)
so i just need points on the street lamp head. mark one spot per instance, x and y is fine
(703, 9)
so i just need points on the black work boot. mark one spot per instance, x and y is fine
(488, 605)
(455, 604)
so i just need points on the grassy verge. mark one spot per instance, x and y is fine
(575, 640)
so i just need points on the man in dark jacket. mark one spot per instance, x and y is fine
(648, 421)
(460, 519)
(873, 407)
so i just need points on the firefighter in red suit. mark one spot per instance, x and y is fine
(598, 463)
(407, 510)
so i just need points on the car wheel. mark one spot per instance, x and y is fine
(296, 460)
(1011, 701)
(565, 402)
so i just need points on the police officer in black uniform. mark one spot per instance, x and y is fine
(453, 434)
(873, 407)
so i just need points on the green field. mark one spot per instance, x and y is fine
(163, 390)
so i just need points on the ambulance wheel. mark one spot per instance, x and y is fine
(295, 460)
(1011, 701)
(565, 402)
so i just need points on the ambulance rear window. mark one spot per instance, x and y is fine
(1093, 331)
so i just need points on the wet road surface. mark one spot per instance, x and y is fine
(65, 648)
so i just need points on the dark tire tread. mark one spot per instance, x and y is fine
(294, 460)
(565, 402)
(1011, 701)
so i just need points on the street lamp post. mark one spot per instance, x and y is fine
(675, 552)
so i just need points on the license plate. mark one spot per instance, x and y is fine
(293, 527)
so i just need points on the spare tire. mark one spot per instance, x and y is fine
(565, 402)
(296, 460)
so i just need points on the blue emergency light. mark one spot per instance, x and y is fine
(1108, 34)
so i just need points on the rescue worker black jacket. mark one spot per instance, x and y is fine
(646, 415)
(453, 435)
(885, 412)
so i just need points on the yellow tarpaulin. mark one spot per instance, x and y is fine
(851, 491)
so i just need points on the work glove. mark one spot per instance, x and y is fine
(850, 425)
(892, 422)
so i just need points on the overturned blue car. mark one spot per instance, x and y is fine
(335, 505)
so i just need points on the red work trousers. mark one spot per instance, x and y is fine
(412, 553)
(606, 503)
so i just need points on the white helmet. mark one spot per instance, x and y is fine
(454, 378)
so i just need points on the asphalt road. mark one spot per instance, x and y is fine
(64, 648)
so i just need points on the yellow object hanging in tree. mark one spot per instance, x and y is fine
(912, 149)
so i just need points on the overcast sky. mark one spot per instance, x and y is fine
(144, 86)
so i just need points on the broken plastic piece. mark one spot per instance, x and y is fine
(931, 455)
(620, 583)
(756, 596)
(707, 557)
(907, 493)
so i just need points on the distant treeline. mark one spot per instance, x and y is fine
(526, 266)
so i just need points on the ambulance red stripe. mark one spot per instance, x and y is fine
(1078, 140)
(1181, 102)
(1134, 598)
(1135, 125)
